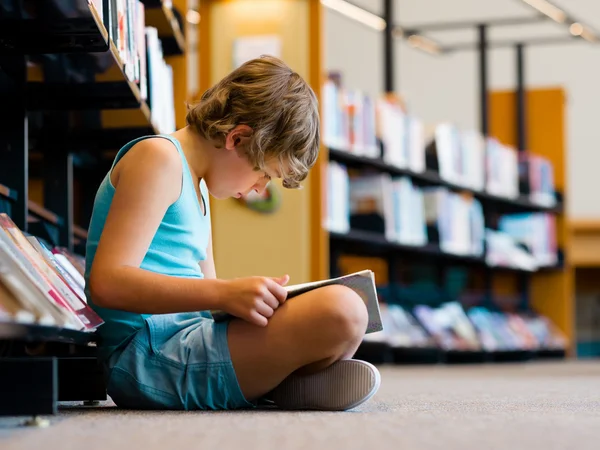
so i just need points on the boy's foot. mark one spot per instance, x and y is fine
(343, 385)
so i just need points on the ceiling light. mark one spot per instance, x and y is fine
(354, 12)
(193, 17)
(547, 8)
(425, 44)
(576, 29)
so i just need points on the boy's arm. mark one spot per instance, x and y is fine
(146, 185)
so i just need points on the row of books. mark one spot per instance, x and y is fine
(527, 241)
(407, 214)
(41, 284)
(356, 123)
(140, 49)
(452, 328)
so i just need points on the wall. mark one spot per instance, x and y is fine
(445, 87)
(248, 243)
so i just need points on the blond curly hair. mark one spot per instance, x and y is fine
(276, 103)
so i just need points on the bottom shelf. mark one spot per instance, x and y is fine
(41, 333)
(382, 353)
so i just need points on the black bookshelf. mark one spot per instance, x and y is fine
(431, 178)
(38, 35)
(165, 20)
(41, 333)
(7, 193)
(369, 242)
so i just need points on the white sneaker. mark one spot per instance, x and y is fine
(343, 385)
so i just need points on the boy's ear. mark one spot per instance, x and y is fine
(238, 137)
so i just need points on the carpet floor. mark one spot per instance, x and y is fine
(514, 406)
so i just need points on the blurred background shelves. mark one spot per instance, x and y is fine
(432, 178)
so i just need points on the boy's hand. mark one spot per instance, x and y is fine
(255, 299)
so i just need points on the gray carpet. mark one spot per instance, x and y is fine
(517, 406)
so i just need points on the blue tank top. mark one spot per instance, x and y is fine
(179, 244)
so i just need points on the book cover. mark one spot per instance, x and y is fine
(11, 308)
(363, 283)
(23, 281)
(58, 290)
(77, 297)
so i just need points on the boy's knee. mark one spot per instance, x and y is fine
(343, 313)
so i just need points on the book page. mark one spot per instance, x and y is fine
(363, 283)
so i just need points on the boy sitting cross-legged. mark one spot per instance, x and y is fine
(150, 272)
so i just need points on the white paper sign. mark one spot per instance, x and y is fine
(250, 47)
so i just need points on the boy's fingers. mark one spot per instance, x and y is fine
(271, 301)
(264, 309)
(282, 281)
(258, 319)
(277, 290)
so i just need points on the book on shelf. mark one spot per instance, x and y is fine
(536, 232)
(454, 221)
(504, 331)
(371, 204)
(395, 208)
(362, 282)
(392, 131)
(11, 308)
(408, 212)
(416, 143)
(349, 119)
(458, 156)
(39, 283)
(503, 251)
(502, 169)
(122, 19)
(449, 325)
(338, 194)
(473, 158)
(447, 153)
(160, 82)
(400, 329)
(536, 179)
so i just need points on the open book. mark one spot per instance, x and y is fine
(363, 283)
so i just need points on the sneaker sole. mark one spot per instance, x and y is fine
(343, 385)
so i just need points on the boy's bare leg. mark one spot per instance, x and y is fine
(309, 332)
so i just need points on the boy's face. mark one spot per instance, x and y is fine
(232, 174)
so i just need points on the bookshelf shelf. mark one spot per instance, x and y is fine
(103, 139)
(162, 17)
(41, 333)
(70, 96)
(66, 35)
(368, 242)
(42, 213)
(431, 178)
(7, 193)
(80, 232)
(62, 60)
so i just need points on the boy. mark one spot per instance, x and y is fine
(150, 272)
